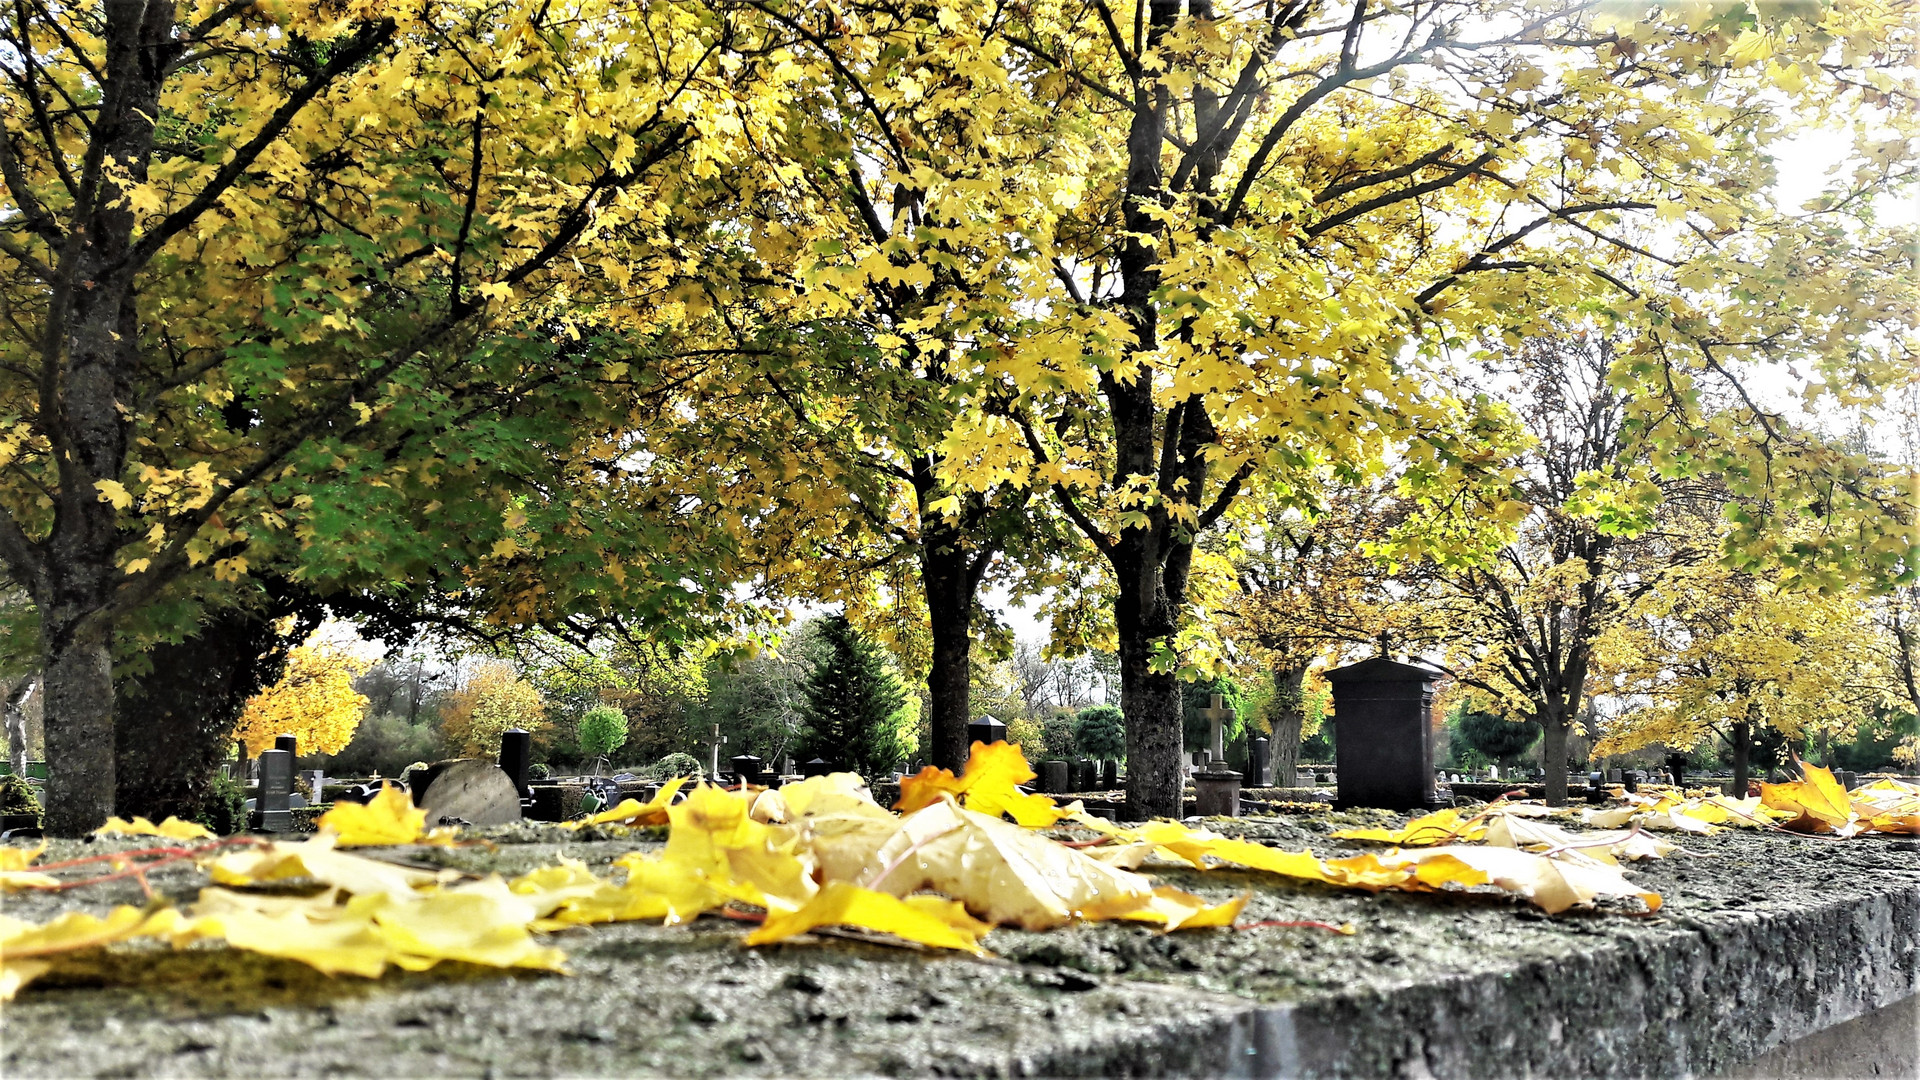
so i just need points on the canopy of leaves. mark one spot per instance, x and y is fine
(603, 729)
(314, 701)
(1496, 736)
(493, 700)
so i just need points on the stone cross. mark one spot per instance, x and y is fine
(719, 741)
(1216, 716)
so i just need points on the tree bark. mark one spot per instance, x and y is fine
(949, 593)
(1151, 701)
(1553, 756)
(1289, 716)
(1742, 757)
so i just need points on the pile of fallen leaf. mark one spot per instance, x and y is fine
(941, 872)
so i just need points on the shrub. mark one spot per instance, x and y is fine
(1497, 737)
(603, 729)
(225, 808)
(676, 765)
(1101, 732)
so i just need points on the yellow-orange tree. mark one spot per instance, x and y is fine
(1260, 218)
(313, 700)
(254, 261)
(486, 705)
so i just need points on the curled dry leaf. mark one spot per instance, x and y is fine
(1603, 847)
(172, 828)
(317, 859)
(1002, 873)
(1553, 884)
(1818, 802)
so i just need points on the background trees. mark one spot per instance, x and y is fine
(853, 705)
(313, 700)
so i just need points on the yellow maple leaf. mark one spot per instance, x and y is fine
(1552, 884)
(316, 859)
(635, 812)
(26, 949)
(1604, 847)
(1439, 827)
(715, 838)
(942, 924)
(1177, 909)
(172, 827)
(14, 872)
(1002, 873)
(1819, 801)
(388, 818)
(988, 785)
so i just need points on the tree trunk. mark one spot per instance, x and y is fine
(1553, 755)
(949, 591)
(1742, 753)
(16, 720)
(1151, 702)
(1289, 716)
(80, 774)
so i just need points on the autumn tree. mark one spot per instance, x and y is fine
(253, 259)
(488, 703)
(1268, 216)
(313, 700)
(1718, 651)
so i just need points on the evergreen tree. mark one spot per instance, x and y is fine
(853, 703)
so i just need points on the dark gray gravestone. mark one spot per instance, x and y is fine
(1848, 779)
(1383, 734)
(289, 743)
(1053, 774)
(1216, 791)
(1631, 780)
(1109, 775)
(1677, 765)
(516, 757)
(986, 730)
(271, 806)
(746, 768)
(816, 767)
(1260, 762)
(1083, 774)
(472, 790)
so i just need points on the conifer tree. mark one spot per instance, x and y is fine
(852, 701)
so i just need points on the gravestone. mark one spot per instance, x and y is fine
(472, 790)
(1216, 715)
(289, 743)
(516, 757)
(1631, 781)
(1054, 775)
(719, 741)
(271, 806)
(1677, 765)
(986, 730)
(1260, 761)
(816, 767)
(1616, 776)
(1848, 779)
(746, 768)
(1086, 775)
(1383, 734)
(1109, 775)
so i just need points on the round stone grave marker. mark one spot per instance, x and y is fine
(474, 791)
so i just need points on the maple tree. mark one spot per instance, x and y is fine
(1723, 650)
(252, 255)
(313, 700)
(1252, 222)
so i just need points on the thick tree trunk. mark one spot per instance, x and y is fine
(949, 590)
(1151, 702)
(1289, 716)
(80, 773)
(1742, 758)
(1553, 756)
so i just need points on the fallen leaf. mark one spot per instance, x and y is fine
(26, 948)
(1540, 837)
(988, 785)
(1002, 873)
(635, 812)
(14, 872)
(842, 903)
(172, 828)
(316, 859)
(1439, 827)
(1552, 884)
(1177, 909)
(388, 818)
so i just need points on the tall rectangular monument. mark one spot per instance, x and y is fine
(1383, 734)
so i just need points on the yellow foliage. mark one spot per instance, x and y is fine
(388, 818)
(13, 869)
(493, 700)
(987, 784)
(172, 827)
(314, 701)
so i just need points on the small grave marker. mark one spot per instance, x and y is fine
(1260, 761)
(516, 758)
(746, 768)
(1216, 715)
(1109, 775)
(472, 790)
(719, 741)
(1053, 775)
(986, 730)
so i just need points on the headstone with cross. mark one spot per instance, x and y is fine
(719, 741)
(1216, 717)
